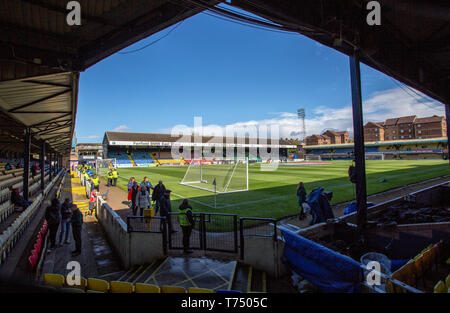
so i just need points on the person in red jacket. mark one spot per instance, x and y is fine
(92, 200)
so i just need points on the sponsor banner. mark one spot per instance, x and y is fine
(195, 144)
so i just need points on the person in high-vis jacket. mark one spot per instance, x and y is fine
(86, 177)
(115, 176)
(95, 182)
(186, 220)
(110, 177)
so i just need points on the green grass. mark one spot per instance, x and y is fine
(273, 194)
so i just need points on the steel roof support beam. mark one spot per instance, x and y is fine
(39, 100)
(358, 134)
(26, 163)
(50, 121)
(51, 166)
(43, 166)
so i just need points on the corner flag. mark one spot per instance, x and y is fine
(214, 182)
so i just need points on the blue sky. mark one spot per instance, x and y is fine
(230, 74)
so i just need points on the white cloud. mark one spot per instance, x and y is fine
(121, 128)
(377, 108)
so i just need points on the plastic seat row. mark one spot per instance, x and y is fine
(37, 248)
(442, 286)
(417, 267)
(95, 285)
(100, 285)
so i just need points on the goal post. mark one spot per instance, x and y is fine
(228, 175)
(104, 165)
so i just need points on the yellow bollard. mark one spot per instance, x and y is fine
(149, 213)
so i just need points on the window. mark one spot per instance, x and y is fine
(409, 124)
(419, 131)
(402, 137)
(402, 131)
(394, 138)
(420, 137)
(418, 125)
(409, 136)
(401, 125)
(409, 130)
(393, 131)
(376, 135)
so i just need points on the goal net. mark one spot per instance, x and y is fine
(222, 177)
(104, 165)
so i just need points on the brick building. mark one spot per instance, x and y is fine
(337, 137)
(315, 140)
(405, 127)
(374, 131)
(390, 129)
(430, 127)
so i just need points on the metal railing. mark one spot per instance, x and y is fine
(256, 227)
(144, 224)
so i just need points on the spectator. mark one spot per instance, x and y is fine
(8, 167)
(158, 192)
(147, 184)
(77, 225)
(134, 191)
(130, 183)
(66, 215)
(34, 170)
(166, 208)
(186, 220)
(18, 200)
(18, 165)
(53, 217)
(142, 200)
(92, 199)
(301, 195)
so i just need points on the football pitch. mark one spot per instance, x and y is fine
(272, 194)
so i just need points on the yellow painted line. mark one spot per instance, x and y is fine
(264, 282)
(249, 278)
(219, 275)
(230, 283)
(188, 278)
(221, 286)
(136, 271)
(198, 275)
(143, 272)
(156, 271)
(126, 273)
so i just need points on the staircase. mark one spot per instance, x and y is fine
(131, 159)
(248, 279)
(244, 278)
(155, 159)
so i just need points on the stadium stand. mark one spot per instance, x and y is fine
(14, 230)
(424, 265)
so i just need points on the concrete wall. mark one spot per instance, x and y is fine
(133, 248)
(265, 254)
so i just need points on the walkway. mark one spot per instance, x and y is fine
(96, 258)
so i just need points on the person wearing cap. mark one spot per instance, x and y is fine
(166, 208)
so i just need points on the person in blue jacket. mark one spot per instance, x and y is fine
(301, 195)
